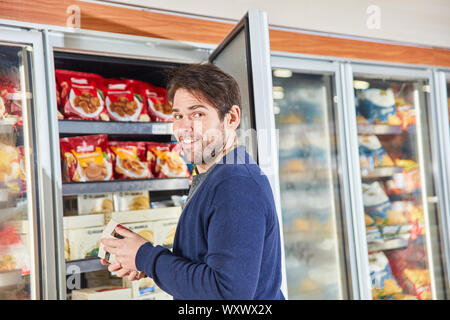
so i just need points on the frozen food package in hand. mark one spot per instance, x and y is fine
(95, 203)
(132, 200)
(159, 108)
(129, 160)
(81, 95)
(376, 105)
(376, 202)
(372, 153)
(109, 233)
(124, 101)
(165, 160)
(384, 285)
(86, 158)
(145, 229)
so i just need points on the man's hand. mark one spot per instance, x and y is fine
(125, 251)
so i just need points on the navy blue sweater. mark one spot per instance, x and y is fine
(227, 243)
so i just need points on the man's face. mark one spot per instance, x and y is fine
(197, 127)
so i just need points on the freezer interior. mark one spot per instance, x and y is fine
(305, 117)
(139, 192)
(16, 245)
(398, 187)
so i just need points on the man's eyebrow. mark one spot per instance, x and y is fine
(194, 107)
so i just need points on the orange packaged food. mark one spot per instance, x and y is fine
(165, 160)
(129, 160)
(86, 158)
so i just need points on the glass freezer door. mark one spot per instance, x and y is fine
(305, 107)
(19, 255)
(398, 186)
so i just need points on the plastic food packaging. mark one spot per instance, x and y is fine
(406, 113)
(13, 252)
(165, 160)
(376, 203)
(372, 154)
(377, 105)
(410, 269)
(124, 100)
(10, 96)
(130, 160)
(384, 285)
(159, 108)
(81, 95)
(86, 158)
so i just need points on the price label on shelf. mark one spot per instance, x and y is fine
(163, 128)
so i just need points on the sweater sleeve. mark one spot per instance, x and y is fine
(235, 236)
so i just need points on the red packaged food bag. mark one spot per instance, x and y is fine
(165, 160)
(124, 101)
(409, 266)
(13, 252)
(86, 158)
(129, 160)
(10, 97)
(81, 95)
(158, 107)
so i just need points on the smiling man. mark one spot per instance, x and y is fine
(227, 243)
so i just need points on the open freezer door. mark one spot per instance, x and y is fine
(245, 55)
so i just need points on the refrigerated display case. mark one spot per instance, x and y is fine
(401, 202)
(306, 117)
(114, 56)
(26, 267)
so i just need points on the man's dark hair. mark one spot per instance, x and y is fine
(209, 82)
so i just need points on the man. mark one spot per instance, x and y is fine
(227, 242)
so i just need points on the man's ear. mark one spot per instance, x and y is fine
(234, 117)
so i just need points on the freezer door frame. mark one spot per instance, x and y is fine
(314, 65)
(256, 30)
(413, 73)
(439, 83)
(102, 44)
(41, 228)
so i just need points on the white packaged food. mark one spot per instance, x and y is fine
(95, 203)
(132, 200)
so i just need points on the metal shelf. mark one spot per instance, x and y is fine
(76, 188)
(114, 127)
(382, 129)
(84, 265)
(387, 245)
(378, 173)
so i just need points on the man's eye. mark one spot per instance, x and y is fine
(177, 116)
(197, 115)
